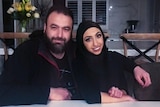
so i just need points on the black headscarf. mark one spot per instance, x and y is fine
(83, 26)
(93, 65)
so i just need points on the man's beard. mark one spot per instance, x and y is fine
(56, 48)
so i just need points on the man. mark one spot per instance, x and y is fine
(40, 68)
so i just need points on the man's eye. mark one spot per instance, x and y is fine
(67, 29)
(53, 27)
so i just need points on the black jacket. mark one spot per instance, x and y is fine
(27, 74)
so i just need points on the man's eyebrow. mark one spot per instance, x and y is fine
(53, 24)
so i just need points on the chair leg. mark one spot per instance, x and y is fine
(125, 48)
(5, 52)
(157, 53)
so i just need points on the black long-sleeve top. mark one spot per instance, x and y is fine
(90, 84)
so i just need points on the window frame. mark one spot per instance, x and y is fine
(79, 11)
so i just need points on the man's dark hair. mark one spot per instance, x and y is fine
(59, 9)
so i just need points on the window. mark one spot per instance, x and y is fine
(86, 10)
(101, 12)
(95, 10)
(73, 6)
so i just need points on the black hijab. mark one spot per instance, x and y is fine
(81, 49)
(93, 65)
(82, 53)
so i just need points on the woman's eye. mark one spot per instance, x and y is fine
(87, 39)
(99, 35)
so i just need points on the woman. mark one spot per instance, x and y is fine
(99, 72)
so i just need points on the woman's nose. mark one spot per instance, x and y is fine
(95, 43)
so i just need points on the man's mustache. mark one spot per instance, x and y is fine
(60, 39)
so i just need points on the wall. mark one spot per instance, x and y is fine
(1, 30)
(1, 17)
(123, 10)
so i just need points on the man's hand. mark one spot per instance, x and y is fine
(142, 76)
(59, 94)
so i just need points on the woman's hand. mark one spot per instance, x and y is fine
(116, 92)
(106, 98)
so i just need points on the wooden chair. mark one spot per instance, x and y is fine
(129, 37)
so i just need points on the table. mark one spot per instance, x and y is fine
(128, 37)
(80, 103)
(11, 35)
(14, 35)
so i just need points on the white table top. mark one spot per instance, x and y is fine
(78, 103)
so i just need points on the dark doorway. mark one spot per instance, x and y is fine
(8, 23)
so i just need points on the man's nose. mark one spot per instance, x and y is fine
(60, 32)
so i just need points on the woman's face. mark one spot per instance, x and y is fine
(93, 40)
